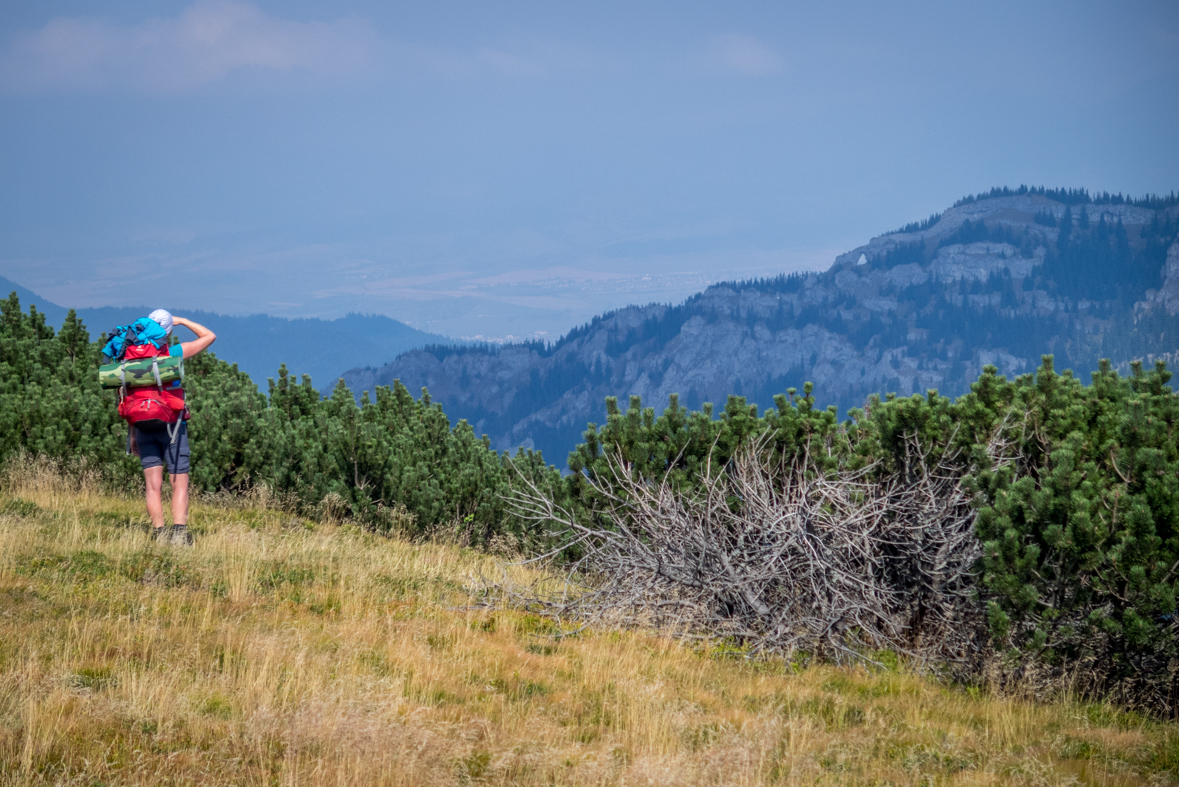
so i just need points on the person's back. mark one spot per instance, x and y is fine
(160, 444)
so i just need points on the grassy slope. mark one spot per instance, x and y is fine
(277, 651)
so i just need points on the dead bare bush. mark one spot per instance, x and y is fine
(780, 556)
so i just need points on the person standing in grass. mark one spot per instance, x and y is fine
(157, 449)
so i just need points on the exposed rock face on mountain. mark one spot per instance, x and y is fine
(1000, 279)
(1166, 297)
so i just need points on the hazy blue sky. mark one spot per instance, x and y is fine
(508, 168)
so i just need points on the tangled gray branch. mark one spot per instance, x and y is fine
(779, 556)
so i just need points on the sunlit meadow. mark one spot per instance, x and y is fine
(279, 650)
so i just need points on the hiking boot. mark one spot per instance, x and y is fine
(161, 535)
(181, 537)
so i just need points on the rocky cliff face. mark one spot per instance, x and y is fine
(991, 281)
(1167, 296)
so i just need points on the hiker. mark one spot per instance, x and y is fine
(160, 446)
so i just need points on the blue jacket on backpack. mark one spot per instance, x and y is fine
(142, 331)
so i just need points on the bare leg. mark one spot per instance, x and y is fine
(179, 498)
(153, 478)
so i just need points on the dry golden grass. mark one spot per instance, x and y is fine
(278, 651)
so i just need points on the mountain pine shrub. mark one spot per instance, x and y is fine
(395, 463)
(1079, 524)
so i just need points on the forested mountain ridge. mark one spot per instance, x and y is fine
(1000, 278)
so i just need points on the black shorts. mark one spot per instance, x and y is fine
(157, 448)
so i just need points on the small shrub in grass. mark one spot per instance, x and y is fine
(473, 766)
(16, 507)
(88, 565)
(217, 706)
(279, 576)
(152, 567)
(95, 678)
(82, 566)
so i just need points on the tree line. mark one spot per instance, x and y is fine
(1080, 196)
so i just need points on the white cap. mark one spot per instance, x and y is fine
(164, 318)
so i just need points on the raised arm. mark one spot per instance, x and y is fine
(204, 338)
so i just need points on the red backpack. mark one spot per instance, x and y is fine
(152, 406)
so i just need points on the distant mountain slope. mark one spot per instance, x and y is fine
(258, 344)
(1000, 278)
